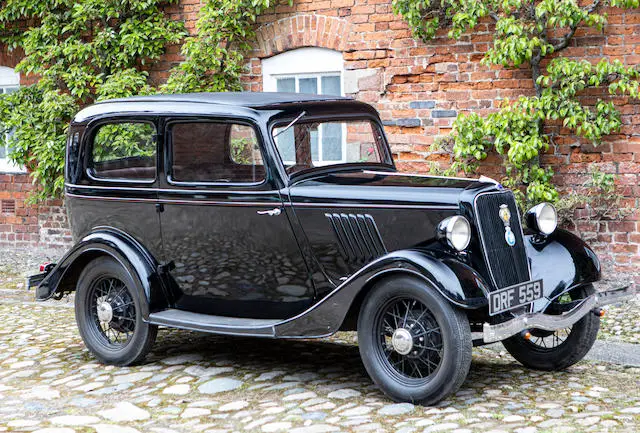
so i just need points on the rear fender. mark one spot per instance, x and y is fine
(563, 261)
(454, 280)
(105, 241)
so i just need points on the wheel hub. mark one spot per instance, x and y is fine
(402, 341)
(105, 312)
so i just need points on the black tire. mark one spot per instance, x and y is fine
(446, 332)
(579, 340)
(105, 281)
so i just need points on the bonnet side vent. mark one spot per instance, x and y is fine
(358, 237)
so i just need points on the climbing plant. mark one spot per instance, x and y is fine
(530, 34)
(214, 56)
(80, 51)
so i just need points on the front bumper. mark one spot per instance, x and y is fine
(552, 322)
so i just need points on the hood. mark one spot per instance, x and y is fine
(388, 188)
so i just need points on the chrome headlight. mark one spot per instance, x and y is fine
(543, 218)
(456, 230)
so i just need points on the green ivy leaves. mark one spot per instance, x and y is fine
(83, 51)
(526, 32)
(214, 57)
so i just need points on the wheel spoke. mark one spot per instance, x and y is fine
(119, 330)
(409, 318)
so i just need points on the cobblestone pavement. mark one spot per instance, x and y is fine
(192, 382)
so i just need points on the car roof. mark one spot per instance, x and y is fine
(221, 102)
(243, 99)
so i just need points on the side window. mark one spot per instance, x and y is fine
(215, 152)
(125, 151)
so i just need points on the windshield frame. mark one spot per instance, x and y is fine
(385, 152)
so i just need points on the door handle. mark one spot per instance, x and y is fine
(273, 212)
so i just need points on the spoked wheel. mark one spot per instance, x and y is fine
(411, 340)
(112, 310)
(557, 350)
(549, 339)
(108, 313)
(415, 346)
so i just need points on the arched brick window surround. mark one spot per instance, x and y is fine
(299, 31)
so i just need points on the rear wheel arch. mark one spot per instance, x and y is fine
(71, 276)
(123, 249)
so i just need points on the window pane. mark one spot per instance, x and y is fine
(331, 85)
(285, 144)
(343, 141)
(243, 146)
(308, 85)
(286, 85)
(215, 152)
(332, 141)
(125, 151)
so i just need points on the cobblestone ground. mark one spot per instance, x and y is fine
(200, 383)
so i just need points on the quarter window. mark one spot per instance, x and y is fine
(125, 150)
(216, 152)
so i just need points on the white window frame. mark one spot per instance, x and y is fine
(309, 62)
(9, 80)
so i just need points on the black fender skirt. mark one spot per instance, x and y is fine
(456, 281)
(123, 248)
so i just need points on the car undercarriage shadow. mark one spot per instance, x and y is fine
(314, 361)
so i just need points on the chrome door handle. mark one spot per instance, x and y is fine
(273, 212)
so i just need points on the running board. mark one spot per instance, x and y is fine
(215, 324)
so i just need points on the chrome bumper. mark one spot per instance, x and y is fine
(549, 322)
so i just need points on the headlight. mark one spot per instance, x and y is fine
(456, 230)
(543, 218)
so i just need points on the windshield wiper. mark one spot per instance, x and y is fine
(290, 124)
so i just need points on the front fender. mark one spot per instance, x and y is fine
(563, 261)
(123, 248)
(454, 280)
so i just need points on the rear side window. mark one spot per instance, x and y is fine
(125, 151)
(216, 152)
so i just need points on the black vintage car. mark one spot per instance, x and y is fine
(283, 216)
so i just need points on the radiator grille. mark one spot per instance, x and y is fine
(507, 265)
(358, 237)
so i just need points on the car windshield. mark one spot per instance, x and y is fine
(309, 144)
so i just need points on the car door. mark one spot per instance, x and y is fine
(224, 226)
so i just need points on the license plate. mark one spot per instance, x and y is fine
(514, 296)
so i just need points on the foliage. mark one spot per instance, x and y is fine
(82, 51)
(525, 36)
(214, 57)
(598, 199)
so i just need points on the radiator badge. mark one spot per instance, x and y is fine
(505, 216)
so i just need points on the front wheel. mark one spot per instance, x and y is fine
(415, 346)
(108, 309)
(557, 350)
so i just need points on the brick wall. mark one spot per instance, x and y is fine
(420, 88)
(24, 225)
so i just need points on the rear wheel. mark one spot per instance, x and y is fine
(415, 346)
(107, 307)
(557, 350)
